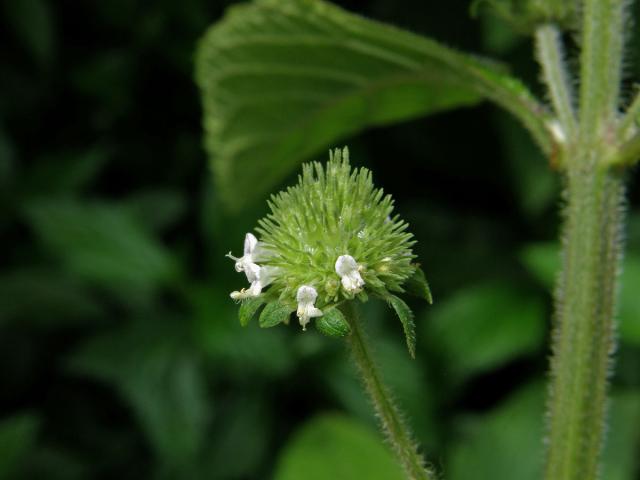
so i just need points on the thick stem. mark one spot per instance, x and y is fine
(583, 331)
(396, 432)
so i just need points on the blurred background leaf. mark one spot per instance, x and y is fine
(333, 446)
(482, 327)
(543, 261)
(17, 439)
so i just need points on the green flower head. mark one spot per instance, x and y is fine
(331, 238)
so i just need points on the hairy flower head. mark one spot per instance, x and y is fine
(331, 238)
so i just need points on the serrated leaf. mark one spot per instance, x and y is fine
(333, 324)
(282, 79)
(338, 448)
(406, 317)
(273, 314)
(417, 285)
(248, 309)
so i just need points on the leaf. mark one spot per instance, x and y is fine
(543, 261)
(32, 23)
(101, 243)
(282, 79)
(406, 317)
(484, 326)
(45, 298)
(151, 363)
(248, 309)
(273, 314)
(156, 209)
(620, 456)
(337, 448)
(66, 171)
(17, 438)
(504, 443)
(417, 285)
(333, 324)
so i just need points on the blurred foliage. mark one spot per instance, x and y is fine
(122, 355)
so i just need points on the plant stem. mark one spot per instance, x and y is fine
(397, 433)
(551, 57)
(583, 331)
(630, 118)
(600, 64)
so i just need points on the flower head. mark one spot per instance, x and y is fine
(331, 238)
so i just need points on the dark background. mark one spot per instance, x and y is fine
(120, 353)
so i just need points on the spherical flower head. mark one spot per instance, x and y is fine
(331, 238)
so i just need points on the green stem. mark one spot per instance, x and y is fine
(583, 332)
(551, 57)
(627, 154)
(600, 65)
(396, 431)
(628, 122)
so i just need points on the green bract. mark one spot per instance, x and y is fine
(331, 238)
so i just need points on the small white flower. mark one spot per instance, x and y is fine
(259, 277)
(254, 251)
(306, 298)
(349, 271)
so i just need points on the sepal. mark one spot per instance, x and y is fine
(274, 314)
(248, 309)
(406, 318)
(333, 324)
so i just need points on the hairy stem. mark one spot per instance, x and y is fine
(397, 433)
(600, 64)
(583, 331)
(630, 119)
(551, 57)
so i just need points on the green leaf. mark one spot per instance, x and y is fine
(484, 326)
(17, 438)
(543, 261)
(156, 209)
(337, 448)
(101, 243)
(45, 298)
(620, 456)
(248, 309)
(504, 443)
(333, 324)
(406, 317)
(282, 79)
(273, 314)
(152, 365)
(32, 23)
(417, 285)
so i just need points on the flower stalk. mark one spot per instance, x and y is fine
(397, 432)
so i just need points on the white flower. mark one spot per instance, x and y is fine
(306, 297)
(251, 249)
(349, 271)
(259, 277)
